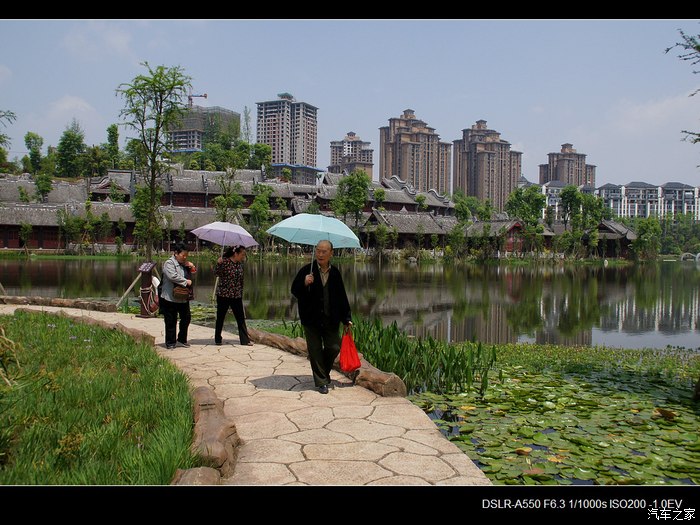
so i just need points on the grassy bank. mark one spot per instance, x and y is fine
(89, 406)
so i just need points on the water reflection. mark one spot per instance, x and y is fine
(651, 305)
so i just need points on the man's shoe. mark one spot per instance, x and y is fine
(323, 389)
(186, 345)
(170, 347)
(218, 343)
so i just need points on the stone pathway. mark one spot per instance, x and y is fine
(291, 434)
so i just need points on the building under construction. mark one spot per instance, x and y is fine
(197, 123)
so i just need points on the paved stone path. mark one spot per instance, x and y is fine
(293, 435)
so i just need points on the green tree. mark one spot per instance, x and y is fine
(34, 143)
(260, 212)
(153, 103)
(27, 165)
(381, 237)
(286, 175)
(112, 148)
(147, 224)
(135, 158)
(23, 195)
(467, 207)
(260, 158)
(456, 239)
(69, 153)
(230, 200)
(70, 226)
(420, 200)
(6, 117)
(115, 194)
(96, 162)
(485, 211)
(379, 198)
(647, 243)
(351, 196)
(25, 234)
(527, 205)
(44, 184)
(570, 204)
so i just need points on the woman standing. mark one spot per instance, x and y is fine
(229, 293)
(177, 273)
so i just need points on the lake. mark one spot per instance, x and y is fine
(651, 305)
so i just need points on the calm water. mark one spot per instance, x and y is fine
(640, 306)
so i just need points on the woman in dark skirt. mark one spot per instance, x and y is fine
(229, 293)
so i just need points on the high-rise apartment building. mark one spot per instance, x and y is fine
(484, 165)
(411, 150)
(289, 128)
(351, 154)
(190, 134)
(568, 167)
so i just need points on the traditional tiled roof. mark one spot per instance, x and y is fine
(408, 222)
(493, 228)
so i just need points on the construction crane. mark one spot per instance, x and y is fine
(191, 96)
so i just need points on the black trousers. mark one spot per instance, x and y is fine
(323, 343)
(236, 305)
(170, 312)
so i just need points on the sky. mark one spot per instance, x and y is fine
(606, 86)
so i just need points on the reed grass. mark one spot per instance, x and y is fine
(91, 407)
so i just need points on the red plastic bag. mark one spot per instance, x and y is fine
(349, 358)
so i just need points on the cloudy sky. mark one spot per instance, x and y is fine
(606, 86)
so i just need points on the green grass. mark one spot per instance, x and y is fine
(90, 406)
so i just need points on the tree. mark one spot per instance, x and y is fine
(27, 165)
(147, 226)
(570, 204)
(153, 103)
(691, 52)
(351, 195)
(112, 148)
(230, 200)
(260, 158)
(115, 194)
(23, 195)
(71, 147)
(44, 185)
(647, 243)
(379, 198)
(6, 117)
(96, 162)
(260, 212)
(420, 200)
(381, 236)
(286, 175)
(25, 234)
(34, 143)
(467, 207)
(527, 205)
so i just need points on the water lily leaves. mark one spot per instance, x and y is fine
(467, 428)
(576, 430)
(526, 432)
(582, 474)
